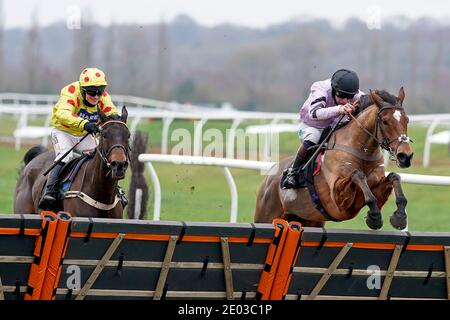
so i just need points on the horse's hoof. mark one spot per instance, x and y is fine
(398, 221)
(374, 223)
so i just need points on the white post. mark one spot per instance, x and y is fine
(165, 135)
(198, 137)
(136, 120)
(157, 191)
(268, 139)
(46, 125)
(137, 203)
(234, 195)
(427, 146)
(230, 138)
(21, 123)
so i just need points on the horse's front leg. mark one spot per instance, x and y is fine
(373, 218)
(399, 218)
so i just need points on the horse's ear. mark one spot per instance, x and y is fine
(401, 95)
(124, 115)
(103, 117)
(376, 98)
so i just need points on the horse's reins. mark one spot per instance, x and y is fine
(103, 156)
(385, 143)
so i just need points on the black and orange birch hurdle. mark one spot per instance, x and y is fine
(49, 252)
(41, 254)
(281, 256)
(142, 260)
(58, 251)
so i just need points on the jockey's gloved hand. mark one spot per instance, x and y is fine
(347, 108)
(91, 127)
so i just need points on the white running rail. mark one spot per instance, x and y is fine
(143, 108)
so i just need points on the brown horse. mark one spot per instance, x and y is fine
(352, 173)
(97, 178)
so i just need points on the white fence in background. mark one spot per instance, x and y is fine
(25, 105)
(244, 164)
(442, 137)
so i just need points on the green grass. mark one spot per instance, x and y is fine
(8, 176)
(196, 193)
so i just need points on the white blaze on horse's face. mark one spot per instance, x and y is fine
(397, 115)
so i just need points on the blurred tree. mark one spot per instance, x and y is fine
(254, 70)
(33, 62)
(263, 69)
(83, 45)
(109, 49)
(185, 91)
(413, 44)
(301, 54)
(135, 57)
(2, 62)
(387, 43)
(374, 59)
(163, 61)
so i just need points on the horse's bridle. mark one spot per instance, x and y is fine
(385, 142)
(104, 155)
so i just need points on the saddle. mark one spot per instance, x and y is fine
(67, 175)
(305, 178)
(70, 170)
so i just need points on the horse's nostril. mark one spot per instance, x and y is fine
(119, 165)
(404, 159)
(401, 157)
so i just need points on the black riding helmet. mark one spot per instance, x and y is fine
(345, 82)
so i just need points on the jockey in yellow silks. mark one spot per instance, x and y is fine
(74, 115)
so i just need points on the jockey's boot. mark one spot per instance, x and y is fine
(303, 154)
(49, 198)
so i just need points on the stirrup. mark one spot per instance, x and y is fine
(290, 174)
(47, 201)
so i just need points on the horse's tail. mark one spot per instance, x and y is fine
(33, 153)
(30, 155)
(139, 145)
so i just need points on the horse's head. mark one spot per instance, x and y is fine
(113, 143)
(392, 126)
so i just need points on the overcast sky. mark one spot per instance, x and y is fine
(254, 13)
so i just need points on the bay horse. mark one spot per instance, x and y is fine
(97, 178)
(352, 171)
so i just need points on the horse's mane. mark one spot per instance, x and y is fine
(366, 101)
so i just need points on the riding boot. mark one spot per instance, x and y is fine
(50, 196)
(303, 154)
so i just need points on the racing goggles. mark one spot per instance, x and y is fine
(94, 91)
(344, 95)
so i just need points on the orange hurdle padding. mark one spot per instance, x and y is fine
(272, 259)
(57, 254)
(288, 259)
(42, 251)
